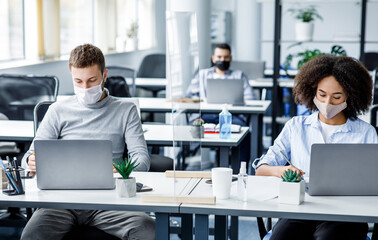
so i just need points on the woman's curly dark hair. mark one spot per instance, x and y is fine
(351, 75)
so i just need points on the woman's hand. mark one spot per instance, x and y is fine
(277, 171)
(294, 169)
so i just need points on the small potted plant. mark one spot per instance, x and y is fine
(132, 34)
(304, 28)
(198, 130)
(125, 185)
(292, 188)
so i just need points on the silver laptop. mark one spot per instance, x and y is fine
(221, 91)
(74, 164)
(344, 169)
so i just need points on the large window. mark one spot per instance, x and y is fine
(135, 25)
(11, 30)
(76, 24)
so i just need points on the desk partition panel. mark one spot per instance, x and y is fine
(182, 66)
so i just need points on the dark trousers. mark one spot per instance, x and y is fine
(292, 229)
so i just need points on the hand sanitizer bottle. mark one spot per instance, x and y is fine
(242, 182)
(225, 121)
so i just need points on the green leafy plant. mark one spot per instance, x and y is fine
(198, 122)
(125, 166)
(291, 176)
(308, 14)
(307, 55)
(133, 30)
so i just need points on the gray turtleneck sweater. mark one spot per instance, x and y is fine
(112, 119)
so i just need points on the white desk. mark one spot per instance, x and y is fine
(338, 208)
(162, 135)
(148, 82)
(257, 83)
(268, 82)
(254, 109)
(106, 199)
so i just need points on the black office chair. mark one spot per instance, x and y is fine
(160, 163)
(127, 73)
(117, 86)
(370, 60)
(78, 232)
(373, 116)
(20, 93)
(153, 66)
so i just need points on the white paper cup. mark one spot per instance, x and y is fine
(221, 180)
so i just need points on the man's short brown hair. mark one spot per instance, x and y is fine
(86, 55)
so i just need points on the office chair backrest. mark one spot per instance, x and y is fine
(373, 116)
(117, 86)
(253, 69)
(127, 73)
(39, 112)
(152, 66)
(370, 60)
(20, 93)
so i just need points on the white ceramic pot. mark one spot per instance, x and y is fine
(292, 192)
(126, 187)
(304, 31)
(197, 131)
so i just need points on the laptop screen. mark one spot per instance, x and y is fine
(225, 91)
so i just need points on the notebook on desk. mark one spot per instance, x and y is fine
(222, 91)
(344, 170)
(74, 164)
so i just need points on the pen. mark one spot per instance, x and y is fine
(18, 176)
(9, 177)
(287, 160)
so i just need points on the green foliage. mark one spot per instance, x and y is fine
(307, 14)
(291, 176)
(133, 30)
(125, 166)
(198, 122)
(307, 55)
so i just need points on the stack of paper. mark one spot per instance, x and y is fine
(214, 128)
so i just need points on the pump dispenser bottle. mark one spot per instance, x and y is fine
(242, 182)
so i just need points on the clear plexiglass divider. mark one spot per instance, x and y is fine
(182, 67)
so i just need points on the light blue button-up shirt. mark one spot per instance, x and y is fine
(299, 133)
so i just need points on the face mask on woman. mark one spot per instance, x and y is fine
(89, 95)
(328, 110)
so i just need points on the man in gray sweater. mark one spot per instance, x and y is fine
(91, 114)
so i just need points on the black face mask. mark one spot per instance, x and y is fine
(222, 65)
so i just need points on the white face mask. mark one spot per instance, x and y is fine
(89, 95)
(328, 110)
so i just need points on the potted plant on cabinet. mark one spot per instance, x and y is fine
(292, 188)
(125, 185)
(307, 55)
(198, 130)
(304, 28)
(132, 35)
